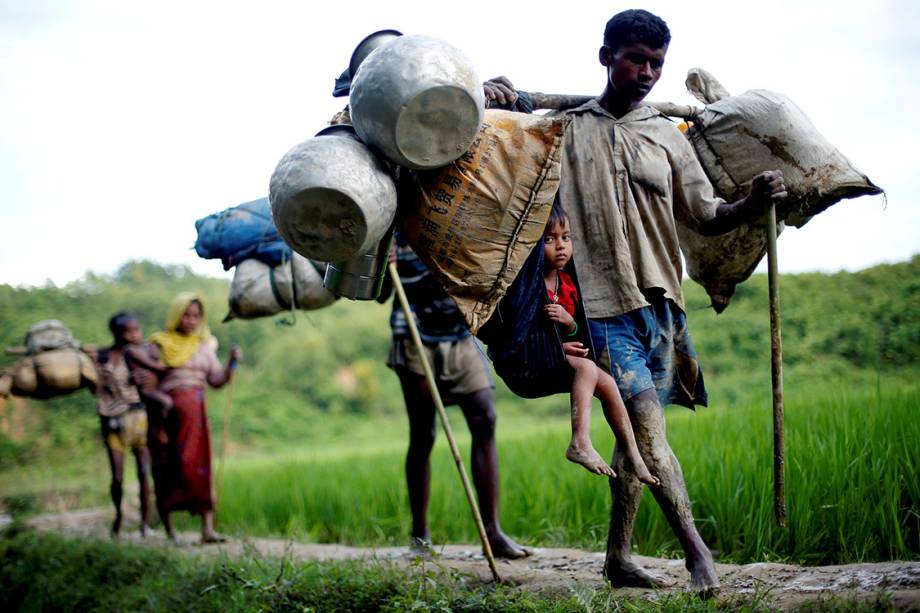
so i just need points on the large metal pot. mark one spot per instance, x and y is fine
(360, 278)
(418, 100)
(367, 45)
(331, 197)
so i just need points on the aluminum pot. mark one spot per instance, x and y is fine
(332, 199)
(367, 45)
(362, 277)
(418, 100)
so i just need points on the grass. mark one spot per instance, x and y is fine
(853, 484)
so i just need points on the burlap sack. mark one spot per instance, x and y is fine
(475, 221)
(52, 373)
(49, 334)
(259, 290)
(737, 138)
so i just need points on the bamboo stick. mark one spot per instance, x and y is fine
(776, 346)
(562, 102)
(223, 449)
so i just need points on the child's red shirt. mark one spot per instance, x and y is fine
(567, 293)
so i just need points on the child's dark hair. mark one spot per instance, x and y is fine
(557, 215)
(638, 26)
(118, 322)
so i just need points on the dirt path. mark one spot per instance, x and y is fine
(566, 570)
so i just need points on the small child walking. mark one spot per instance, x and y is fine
(589, 379)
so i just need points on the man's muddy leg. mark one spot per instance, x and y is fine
(649, 426)
(420, 410)
(626, 494)
(480, 417)
(116, 463)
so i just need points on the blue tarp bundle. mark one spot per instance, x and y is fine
(240, 233)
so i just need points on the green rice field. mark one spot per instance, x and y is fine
(852, 481)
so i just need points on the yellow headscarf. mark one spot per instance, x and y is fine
(176, 348)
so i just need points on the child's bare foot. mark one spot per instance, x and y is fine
(588, 457)
(646, 477)
(643, 474)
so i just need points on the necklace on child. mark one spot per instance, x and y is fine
(555, 296)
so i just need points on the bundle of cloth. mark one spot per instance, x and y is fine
(269, 278)
(54, 364)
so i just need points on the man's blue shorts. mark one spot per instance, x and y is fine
(650, 348)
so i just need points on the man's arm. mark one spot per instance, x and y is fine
(766, 187)
(500, 94)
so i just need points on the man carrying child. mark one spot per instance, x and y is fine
(627, 175)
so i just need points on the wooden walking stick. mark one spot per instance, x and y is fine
(436, 395)
(776, 345)
(223, 448)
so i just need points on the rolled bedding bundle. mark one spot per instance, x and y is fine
(259, 290)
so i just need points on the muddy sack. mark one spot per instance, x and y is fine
(259, 290)
(49, 334)
(475, 221)
(737, 138)
(50, 373)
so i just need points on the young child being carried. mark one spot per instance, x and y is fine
(589, 379)
(140, 362)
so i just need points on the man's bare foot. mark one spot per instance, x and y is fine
(116, 527)
(421, 547)
(588, 457)
(703, 578)
(633, 575)
(503, 547)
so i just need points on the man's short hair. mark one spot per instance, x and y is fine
(636, 25)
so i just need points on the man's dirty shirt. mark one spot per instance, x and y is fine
(623, 183)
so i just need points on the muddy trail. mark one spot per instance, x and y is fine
(567, 571)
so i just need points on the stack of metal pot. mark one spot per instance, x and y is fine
(415, 102)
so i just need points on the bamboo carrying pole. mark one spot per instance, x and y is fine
(776, 345)
(223, 448)
(436, 395)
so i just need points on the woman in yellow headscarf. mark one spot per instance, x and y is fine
(181, 440)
